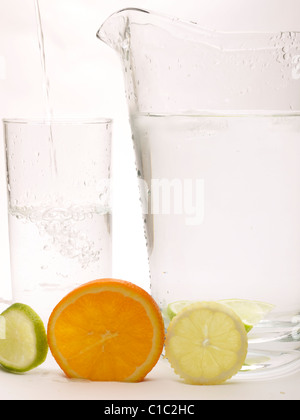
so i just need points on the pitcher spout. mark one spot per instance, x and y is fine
(115, 31)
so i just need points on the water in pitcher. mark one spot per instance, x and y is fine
(231, 229)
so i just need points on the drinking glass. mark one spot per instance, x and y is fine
(58, 178)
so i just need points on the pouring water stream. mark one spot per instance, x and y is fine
(46, 84)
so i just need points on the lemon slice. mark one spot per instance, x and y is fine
(206, 343)
(23, 339)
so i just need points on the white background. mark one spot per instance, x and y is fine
(86, 81)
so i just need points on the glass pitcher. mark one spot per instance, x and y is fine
(216, 128)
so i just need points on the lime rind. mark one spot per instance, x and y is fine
(25, 345)
(248, 327)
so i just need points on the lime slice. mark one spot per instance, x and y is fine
(251, 312)
(176, 307)
(23, 341)
(206, 343)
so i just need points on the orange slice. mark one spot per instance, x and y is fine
(107, 330)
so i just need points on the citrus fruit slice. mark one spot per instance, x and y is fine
(251, 312)
(107, 330)
(175, 308)
(206, 343)
(23, 342)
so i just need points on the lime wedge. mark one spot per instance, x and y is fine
(23, 339)
(251, 312)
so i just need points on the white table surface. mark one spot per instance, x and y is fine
(49, 383)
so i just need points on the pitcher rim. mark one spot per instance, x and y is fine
(197, 24)
(58, 121)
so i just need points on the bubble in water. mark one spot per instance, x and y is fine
(59, 226)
